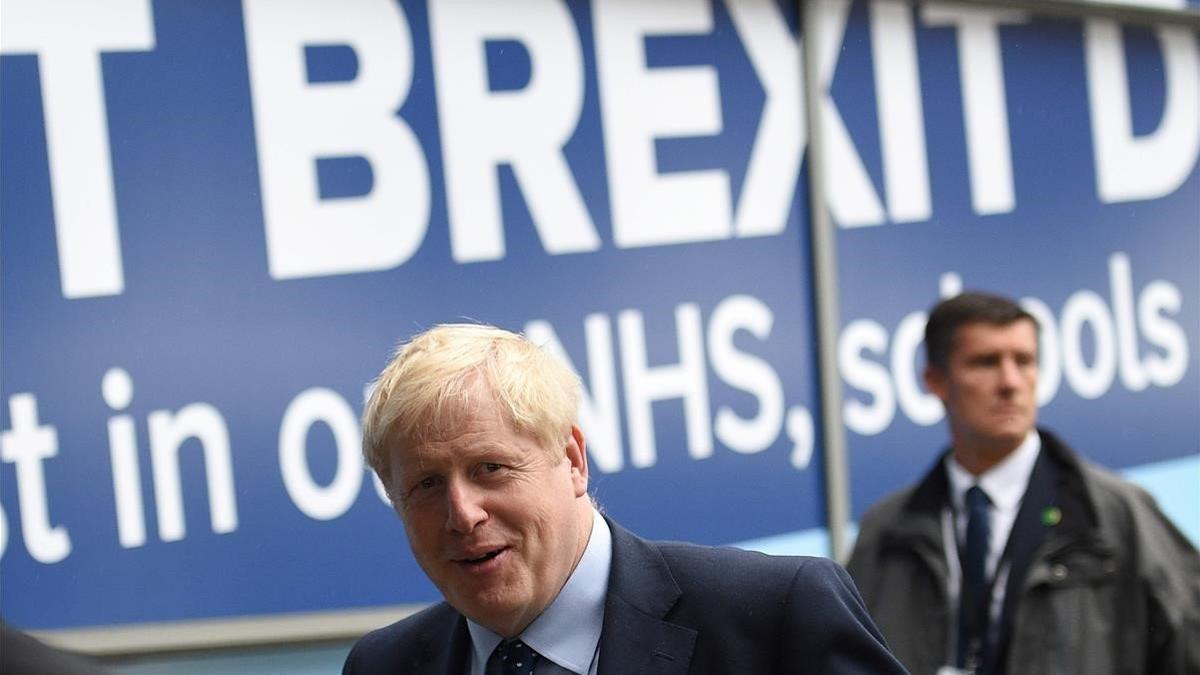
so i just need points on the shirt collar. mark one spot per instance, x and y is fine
(568, 631)
(1004, 483)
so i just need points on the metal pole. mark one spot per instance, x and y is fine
(825, 294)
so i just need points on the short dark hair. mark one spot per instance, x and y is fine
(970, 307)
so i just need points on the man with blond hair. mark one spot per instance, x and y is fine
(472, 431)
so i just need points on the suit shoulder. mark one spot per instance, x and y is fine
(405, 636)
(719, 559)
(739, 573)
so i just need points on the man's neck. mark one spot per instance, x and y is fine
(978, 457)
(568, 630)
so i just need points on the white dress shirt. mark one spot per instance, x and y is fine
(1004, 484)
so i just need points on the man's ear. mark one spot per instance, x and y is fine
(935, 381)
(577, 456)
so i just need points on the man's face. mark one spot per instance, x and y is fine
(497, 521)
(988, 386)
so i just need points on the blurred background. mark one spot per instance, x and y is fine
(217, 219)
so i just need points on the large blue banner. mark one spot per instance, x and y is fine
(1052, 161)
(219, 217)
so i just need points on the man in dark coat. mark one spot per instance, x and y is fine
(1013, 554)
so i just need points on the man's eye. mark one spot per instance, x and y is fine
(492, 467)
(426, 483)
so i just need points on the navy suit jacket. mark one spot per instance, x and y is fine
(680, 608)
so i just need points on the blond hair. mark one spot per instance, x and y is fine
(428, 381)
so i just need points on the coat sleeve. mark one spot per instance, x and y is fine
(838, 635)
(1171, 575)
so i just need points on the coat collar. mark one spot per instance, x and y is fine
(918, 526)
(641, 592)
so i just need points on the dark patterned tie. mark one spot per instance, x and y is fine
(512, 657)
(973, 609)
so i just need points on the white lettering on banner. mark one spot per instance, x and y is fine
(746, 372)
(902, 383)
(117, 390)
(898, 106)
(320, 502)
(1086, 321)
(802, 435)
(644, 385)
(68, 45)
(863, 374)
(985, 106)
(298, 122)
(26, 445)
(774, 168)
(1168, 369)
(1087, 308)
(1132, 167)
(599, 413)
(640, 105)
(1129, 363)
(949, 285)
(527, 129)
(852, 198)
(168, 432)
(918, 405)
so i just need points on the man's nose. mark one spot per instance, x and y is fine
(464, 507)
(1010, 374)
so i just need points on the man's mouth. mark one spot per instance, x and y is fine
(478, 560)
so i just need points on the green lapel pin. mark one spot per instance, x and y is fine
(1051, 516)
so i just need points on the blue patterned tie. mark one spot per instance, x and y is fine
(512, 657)
(973, 605)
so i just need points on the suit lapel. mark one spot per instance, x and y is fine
(1026, 536)
(641, 591)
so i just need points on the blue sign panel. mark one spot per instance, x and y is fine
(1052, 161)
(219, 217)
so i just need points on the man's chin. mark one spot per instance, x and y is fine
(1010, 426)
(487, 605)
(1006, 439)
(495, 615)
